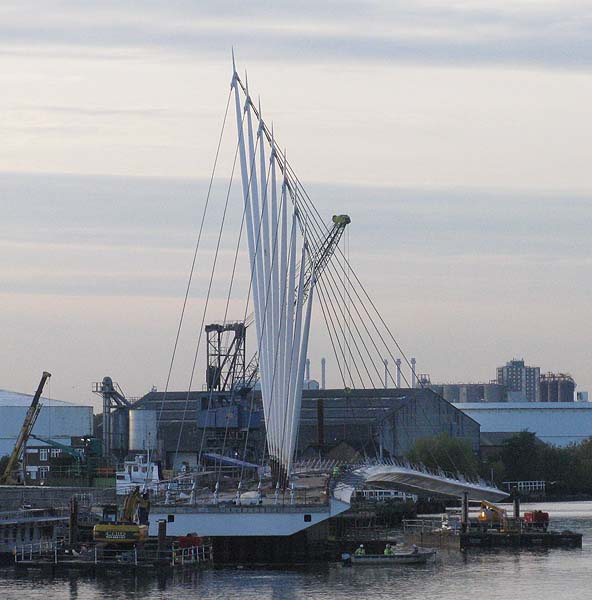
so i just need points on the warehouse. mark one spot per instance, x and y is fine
(57, 420)
(384, 422)
(555, 423)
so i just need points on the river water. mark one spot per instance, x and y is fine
(478, 575)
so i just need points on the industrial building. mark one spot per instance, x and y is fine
(521, 382)
(471, 392)
(515, 383)
(557, 388)
(57, 420)
(232, 419)
(383, 422)
(558, 424)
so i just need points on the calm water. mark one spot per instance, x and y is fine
(552, 574)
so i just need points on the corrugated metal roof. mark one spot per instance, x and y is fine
(8, 398)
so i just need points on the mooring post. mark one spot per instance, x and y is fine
(73, 522)
(516, 498)
(465, 512)
(161, 543)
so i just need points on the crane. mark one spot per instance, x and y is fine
(8, 477)
(76, 453)
(316, 265)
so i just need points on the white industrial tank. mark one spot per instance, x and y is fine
(143, 427)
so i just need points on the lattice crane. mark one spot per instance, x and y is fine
(8, 477)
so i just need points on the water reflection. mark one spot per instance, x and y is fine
(541, 574)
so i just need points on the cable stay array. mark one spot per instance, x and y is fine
(296, 259)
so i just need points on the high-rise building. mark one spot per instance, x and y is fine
(522, 382)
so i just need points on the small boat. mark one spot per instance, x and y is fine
(137, 472)
(418, 556)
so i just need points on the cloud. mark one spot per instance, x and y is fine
(543, 34)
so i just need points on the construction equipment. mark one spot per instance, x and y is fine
(76, 453)
(13, 473)
(316, 265)
(492, 515)
(536, 519)
(225, 345)
(132, 528)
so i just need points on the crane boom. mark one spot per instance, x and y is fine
(73, 452)
(325, 251)
(316, 265)
(30, 418)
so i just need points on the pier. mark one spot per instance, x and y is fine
(435, 532)
(53, 558)
(36, 526)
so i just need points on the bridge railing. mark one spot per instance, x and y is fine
(426, 525)
(406, 464)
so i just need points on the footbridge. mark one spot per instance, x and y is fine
(413, 478)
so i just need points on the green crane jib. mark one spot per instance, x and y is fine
(8, 477)
(75, 453)
(316, 265)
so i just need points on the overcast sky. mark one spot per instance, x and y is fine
(457, 136)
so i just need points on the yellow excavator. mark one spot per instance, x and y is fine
(131, 528)
(492, 516)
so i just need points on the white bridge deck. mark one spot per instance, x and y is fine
(280, 518)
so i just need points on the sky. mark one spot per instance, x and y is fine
(456, 135)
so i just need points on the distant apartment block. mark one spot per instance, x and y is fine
(521, 382)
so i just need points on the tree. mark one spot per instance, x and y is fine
(445, 452)
(521, 456)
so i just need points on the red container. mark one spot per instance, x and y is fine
(536, 516)
(189, 541)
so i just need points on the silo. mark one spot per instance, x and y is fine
(119, 431)
(494, 392)
(143, 427)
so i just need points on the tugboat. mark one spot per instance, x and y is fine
(139, 471)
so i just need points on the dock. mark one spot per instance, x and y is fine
(520, 539)
(53, 558)
(429, 531)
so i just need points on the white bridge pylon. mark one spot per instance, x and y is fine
(280, 260)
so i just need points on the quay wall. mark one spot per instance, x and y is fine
(13, 497)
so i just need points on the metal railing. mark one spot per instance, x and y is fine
(191, 555)
(57, 552)
(31, 514)
(526, 486)
(437, 525)
(35, 551)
